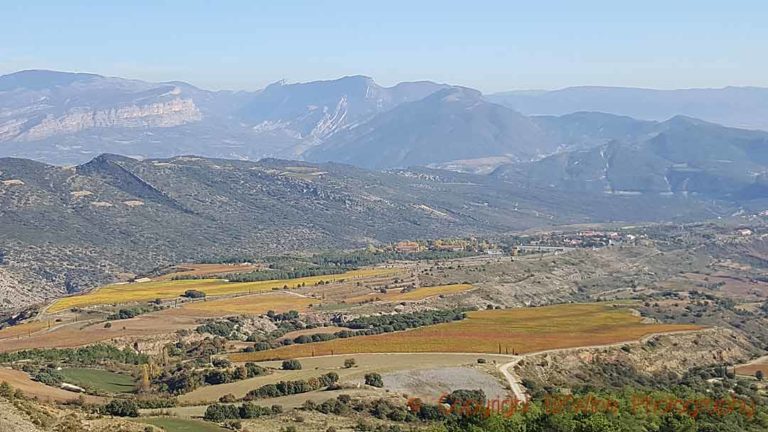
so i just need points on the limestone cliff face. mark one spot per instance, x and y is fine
(170, 113)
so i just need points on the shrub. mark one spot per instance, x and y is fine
(218, 413)
(50, 377)
(254, 370)
(291, 365)
(122, 408)
(193, 294)
(251, 411)
(349, 363)
(374, 380)
(227, 398)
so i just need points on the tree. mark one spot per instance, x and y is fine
(143, 386)
(291, 365)
(193, 294)
(759, 375)
(374, 380)
(349, 363)
(218, 413)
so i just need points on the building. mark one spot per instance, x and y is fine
(407, 247)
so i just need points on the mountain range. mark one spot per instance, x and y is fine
(70, 118)
(739, 107)
(679, 156)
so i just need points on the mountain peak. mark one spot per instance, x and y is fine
(38, 79)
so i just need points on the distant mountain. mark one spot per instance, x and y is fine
(64, 117)
(678, 156)
(452, 124)
(66, 229)
(316, 110)
(70, 118)
(741, 107)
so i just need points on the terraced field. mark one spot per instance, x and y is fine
(245, 305)
(415, 295)
(22, 330)
(163, 289)
(518, 331)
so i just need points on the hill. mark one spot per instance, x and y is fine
(69, 229)
(678, 156)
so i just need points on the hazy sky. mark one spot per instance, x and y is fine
(489, 45)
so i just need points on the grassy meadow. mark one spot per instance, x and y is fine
(101, 380)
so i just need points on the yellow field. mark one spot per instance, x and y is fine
(24, 329)
(244, 305)
(146, 291)
(518, 331)
(418, 294)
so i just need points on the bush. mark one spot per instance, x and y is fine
(218, 413)
(254, 370)
(122, 408)
(374, 380)
(193, 294)
(252, 411)
(349, 363)
(50, 377)
(228, 398)
(291, 365)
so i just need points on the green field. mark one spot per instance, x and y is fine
(99, 380)
(170, 424)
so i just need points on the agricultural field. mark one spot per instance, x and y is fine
(99, 380)
(22, 330)
(519, 331)
(199, 270)
(245, 305)
(83, 333)
(21, 380)
(395, 295)
(750, 368)
(164, 289)
(172, 424)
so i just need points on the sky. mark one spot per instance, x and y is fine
(488, 45)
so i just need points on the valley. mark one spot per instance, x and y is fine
(417, 325)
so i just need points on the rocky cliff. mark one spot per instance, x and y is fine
(174, 112)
